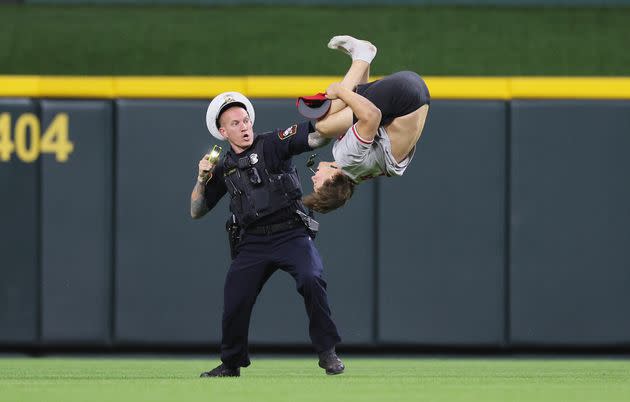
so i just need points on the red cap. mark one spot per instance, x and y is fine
(313, 107)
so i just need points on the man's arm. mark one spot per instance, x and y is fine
(368, 115)
(207, 191)
(198, 207)
(298, 138)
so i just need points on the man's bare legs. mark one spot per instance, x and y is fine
(358, 73)
(339, 117)
(404, 132)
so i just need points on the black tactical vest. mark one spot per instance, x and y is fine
(256, 191)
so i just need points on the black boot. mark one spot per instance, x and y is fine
(329, 361)
(222, 371)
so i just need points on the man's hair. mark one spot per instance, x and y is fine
(226, 107)
(331, 195)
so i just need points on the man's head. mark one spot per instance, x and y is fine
(332, 188)
(235, 126)
(221, 107)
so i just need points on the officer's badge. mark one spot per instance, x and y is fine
(288, 132)
(253, 159)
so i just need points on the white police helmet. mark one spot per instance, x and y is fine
(219, 104)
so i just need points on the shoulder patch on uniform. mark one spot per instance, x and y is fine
(288, 132)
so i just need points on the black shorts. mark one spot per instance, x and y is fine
(396, 95)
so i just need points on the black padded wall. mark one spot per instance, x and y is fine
(19, 238)
(441, 232)
(77, 226)
(570, 214)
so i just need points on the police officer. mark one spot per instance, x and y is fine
(265, 200)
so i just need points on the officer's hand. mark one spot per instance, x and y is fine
(333, 90)
(205, 167)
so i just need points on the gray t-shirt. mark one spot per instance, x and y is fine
(361, 160)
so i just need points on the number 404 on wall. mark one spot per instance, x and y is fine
(27, 141)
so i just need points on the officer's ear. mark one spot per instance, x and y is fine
(223, 132)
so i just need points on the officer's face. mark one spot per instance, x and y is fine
(237, 128)
(325, 171)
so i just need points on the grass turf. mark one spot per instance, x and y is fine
(118, 40)
(365, 380)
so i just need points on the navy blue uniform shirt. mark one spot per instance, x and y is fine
(280, 146)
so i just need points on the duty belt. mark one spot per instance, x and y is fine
(274, 227)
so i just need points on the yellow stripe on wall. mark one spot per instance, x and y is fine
(503, 88)
(468, 88)
(569, 88)
(176, 87)
(287, 86)
(76, 87)
(19, 85)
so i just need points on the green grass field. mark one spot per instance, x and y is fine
(260, 40)
(285, 379)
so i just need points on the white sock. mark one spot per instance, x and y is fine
(355, 48)
(364, 51)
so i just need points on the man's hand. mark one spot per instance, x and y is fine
(205, 169)
(198, 207)
(333, 90)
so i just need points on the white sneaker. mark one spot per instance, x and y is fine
(355, 48)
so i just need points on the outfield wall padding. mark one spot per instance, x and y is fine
(509, 229)
(77, 222)
(570, 223)
(169, 268)
(442, 232)
(19, 241)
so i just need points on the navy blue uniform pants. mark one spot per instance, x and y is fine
(258, 257)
